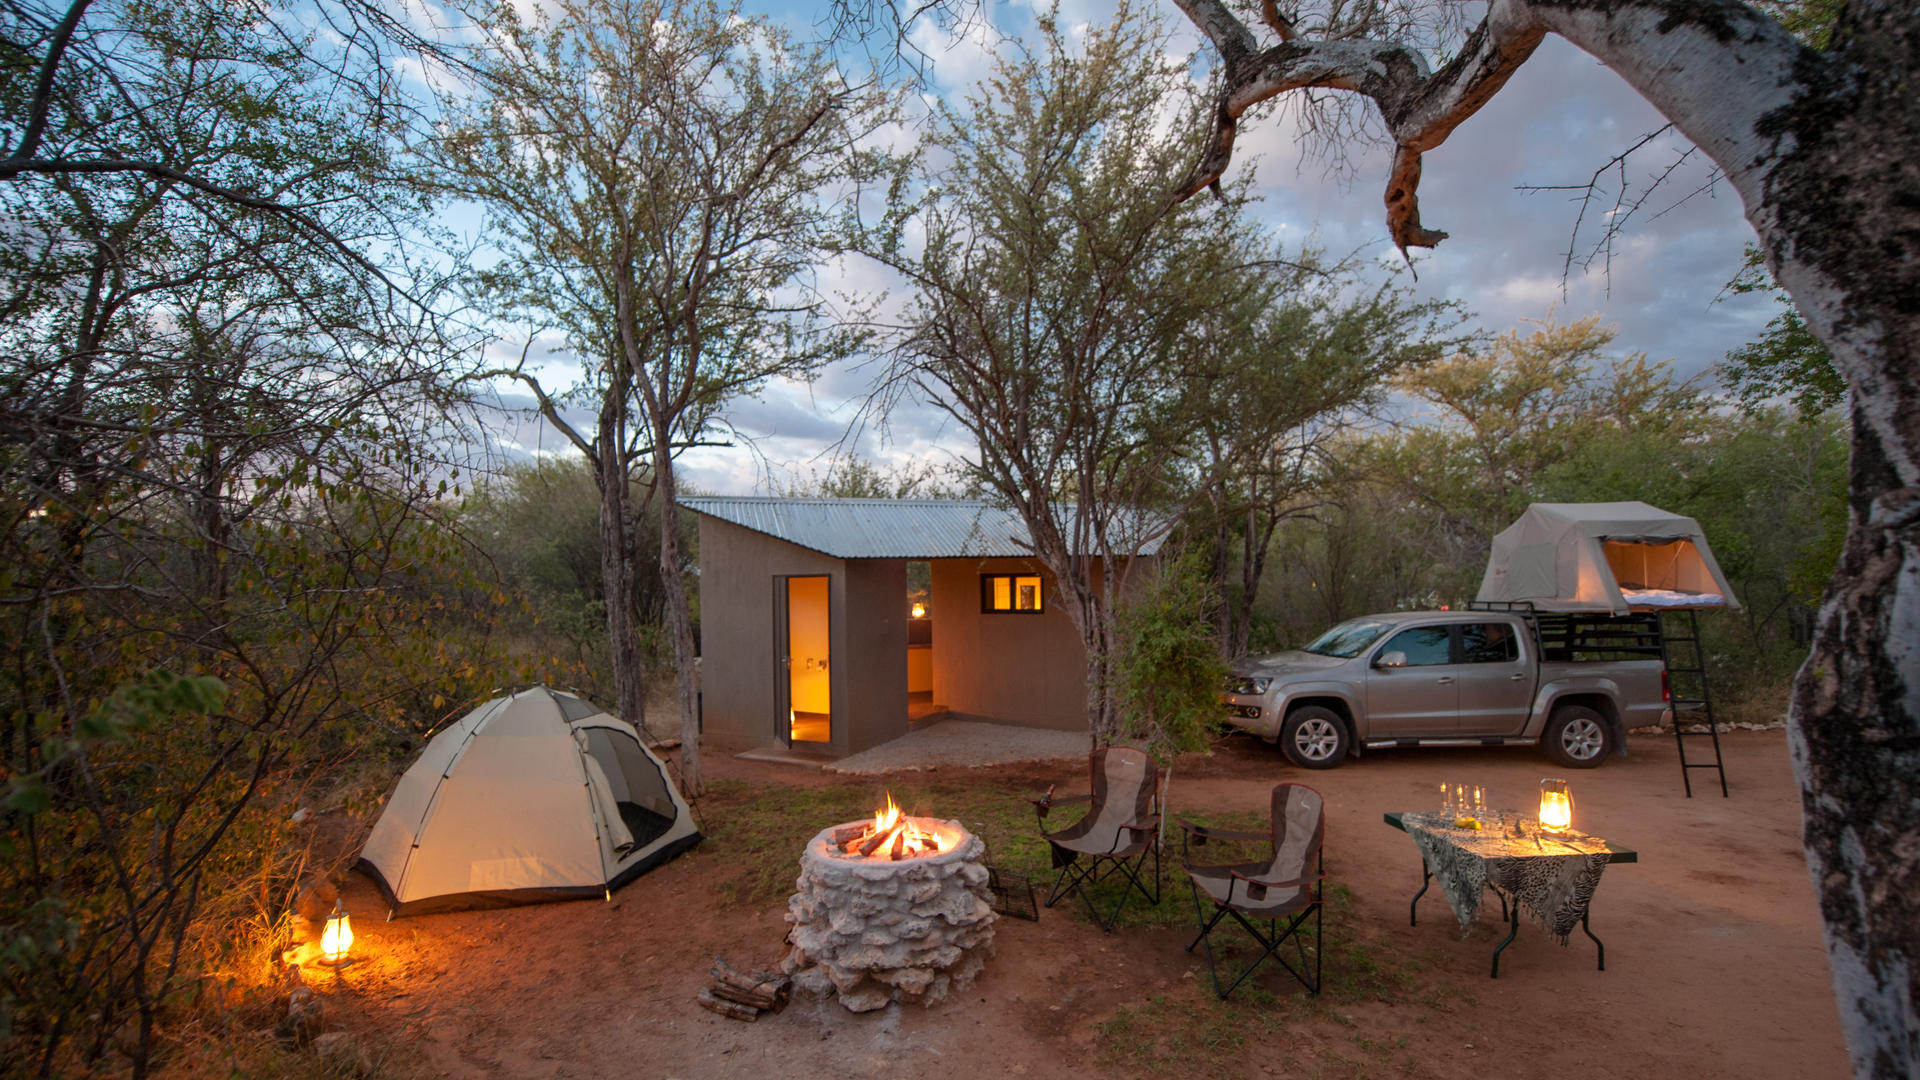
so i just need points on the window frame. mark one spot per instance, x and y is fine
(1012, 579)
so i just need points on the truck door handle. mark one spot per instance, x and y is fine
(1445, 679)
(1515, 677)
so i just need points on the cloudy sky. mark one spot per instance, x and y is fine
(1561, 118)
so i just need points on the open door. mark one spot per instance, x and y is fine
(802, 677)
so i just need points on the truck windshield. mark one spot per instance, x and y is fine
(1349, 638)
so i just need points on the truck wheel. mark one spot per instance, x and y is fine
(1578, 737)
(1314, 738)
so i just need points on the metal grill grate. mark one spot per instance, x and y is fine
(1012, 894)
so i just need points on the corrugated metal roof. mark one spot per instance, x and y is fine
(878, 528)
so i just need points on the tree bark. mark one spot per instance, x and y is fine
(679, 618)
(1824, 149)
(617, 571)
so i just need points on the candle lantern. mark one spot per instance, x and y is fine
(336, 938)
(919, 610)
(1556, 805)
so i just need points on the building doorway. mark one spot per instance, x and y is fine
(804, 670)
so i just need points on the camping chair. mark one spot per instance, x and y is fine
(1120, 829)
(1283, 891)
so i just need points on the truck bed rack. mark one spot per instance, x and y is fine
(1673, 637)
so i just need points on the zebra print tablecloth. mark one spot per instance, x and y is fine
(1548, 877)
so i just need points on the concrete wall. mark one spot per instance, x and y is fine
(1014, 667)
(867, 645)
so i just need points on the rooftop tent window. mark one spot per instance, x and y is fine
(1657, 563)
(1018, 593)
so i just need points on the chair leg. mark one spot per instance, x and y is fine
(1270, 943)
(1071, 875)
(1077, 878)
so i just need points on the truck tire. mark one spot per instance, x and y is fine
(1578, 737)
(1314, 738)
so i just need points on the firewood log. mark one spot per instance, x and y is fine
(732, 1010)
(763, 1002)
(761, 984)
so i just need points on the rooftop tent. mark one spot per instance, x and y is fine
(534, 796)
(1616, 557)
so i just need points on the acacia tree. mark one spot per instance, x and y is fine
(659, 175)
(1821, 146)
(611, 451)
(1300, 355)
(1056, 292)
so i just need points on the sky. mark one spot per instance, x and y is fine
(1562, 117)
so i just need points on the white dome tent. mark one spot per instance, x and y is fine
(538, 795)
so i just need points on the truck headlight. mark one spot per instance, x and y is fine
(1247, 685)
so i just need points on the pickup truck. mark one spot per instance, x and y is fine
(1442, 678)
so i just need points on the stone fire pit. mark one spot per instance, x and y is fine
(875, 930)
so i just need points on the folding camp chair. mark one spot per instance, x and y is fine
(1118, 833)
(1283, 892)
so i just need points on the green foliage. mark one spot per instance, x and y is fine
(1552, 417)
(1167, 671)
(538, 524)
(1787, 362)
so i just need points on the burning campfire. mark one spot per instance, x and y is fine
(891, 836)
(893, 908)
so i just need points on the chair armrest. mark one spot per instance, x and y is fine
(1044, 803)
(1288, 884)
(1149, 823)
(1201, 833)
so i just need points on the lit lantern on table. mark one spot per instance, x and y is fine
(1556, 805)
(336, 939)
(919, 610)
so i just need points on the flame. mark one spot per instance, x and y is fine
(914, 836)
(337, 937)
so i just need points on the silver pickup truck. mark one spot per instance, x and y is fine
(1441, 678)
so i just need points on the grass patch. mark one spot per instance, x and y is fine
(759, 830)
(1189, 1031)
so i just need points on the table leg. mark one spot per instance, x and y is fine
(1413, 909)
(1514, 923)
(1596, 941)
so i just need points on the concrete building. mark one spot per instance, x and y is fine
(808, 636)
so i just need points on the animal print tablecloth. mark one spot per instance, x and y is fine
(1552, 878)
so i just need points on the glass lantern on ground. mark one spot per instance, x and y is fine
(336, 938)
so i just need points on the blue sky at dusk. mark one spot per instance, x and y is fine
(1560, 118)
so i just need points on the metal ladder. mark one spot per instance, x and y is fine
(1689, 693)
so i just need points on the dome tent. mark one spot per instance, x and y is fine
(1604, 557)
(537, 795)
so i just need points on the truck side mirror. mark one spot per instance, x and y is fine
(1395, 658)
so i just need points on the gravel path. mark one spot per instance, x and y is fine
(964, 744)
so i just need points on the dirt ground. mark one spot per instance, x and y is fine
(1715, 966)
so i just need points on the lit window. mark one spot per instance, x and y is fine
(1010, 592)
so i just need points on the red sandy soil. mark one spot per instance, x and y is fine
(1715, 966)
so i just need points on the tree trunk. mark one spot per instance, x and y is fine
(617, 560)
(1828, 162)
(679, 616)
